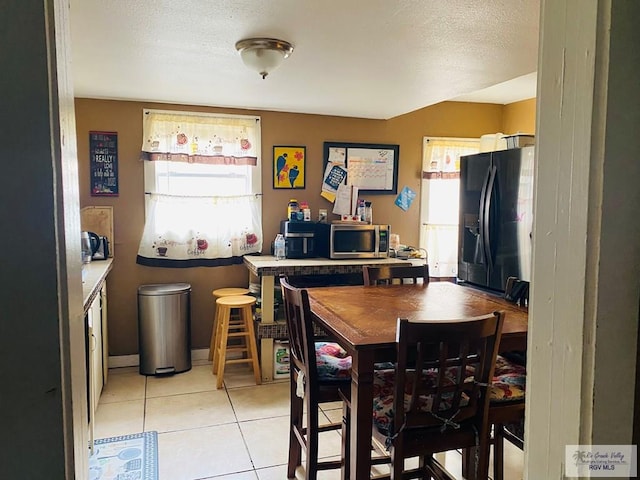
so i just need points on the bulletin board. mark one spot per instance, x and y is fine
(103, 163)
(373, 168)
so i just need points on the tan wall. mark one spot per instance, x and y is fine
(520, 117)
(445, 119)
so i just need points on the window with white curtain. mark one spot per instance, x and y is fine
(440, 199)
(202, 189)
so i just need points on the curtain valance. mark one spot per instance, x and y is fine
(200, 138)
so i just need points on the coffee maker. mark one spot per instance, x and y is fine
(299, 238)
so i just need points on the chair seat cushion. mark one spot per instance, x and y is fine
(383, 393)
(509, 381)
(508, 385)
(332, 361)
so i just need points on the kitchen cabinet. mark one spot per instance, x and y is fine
(315, 272)
(94, 289)
(98, 349)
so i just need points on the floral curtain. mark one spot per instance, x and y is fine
(191, 231)
(439, 202)
(202, 188)
(200, 138)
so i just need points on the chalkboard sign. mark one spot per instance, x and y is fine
(103, 160)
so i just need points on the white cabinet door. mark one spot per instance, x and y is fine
(105, 336)
(95, 346)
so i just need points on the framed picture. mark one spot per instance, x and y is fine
(103, 163)
(289, 167)
(373, 168)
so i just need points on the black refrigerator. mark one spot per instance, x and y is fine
(496, 217)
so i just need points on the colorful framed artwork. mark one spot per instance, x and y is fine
(103, 163)
(289, 167)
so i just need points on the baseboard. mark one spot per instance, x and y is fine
(121, 361)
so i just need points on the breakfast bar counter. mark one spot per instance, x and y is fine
(265, 268)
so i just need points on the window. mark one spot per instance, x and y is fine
(202, 189)
(439, 202)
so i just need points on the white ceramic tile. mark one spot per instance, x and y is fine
(198, 379)
(119, 418)
(333, 416)
(238, 375)
(249, 475)
(199, 437)
(190, 410)
(260, 401)
(123, 386)
(280, 472)
(202, 453)
(268, 441)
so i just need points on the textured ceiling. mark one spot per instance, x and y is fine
(356, 58)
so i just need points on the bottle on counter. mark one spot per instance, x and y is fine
(279, 247)
(361, 210)
(368, 213)
(306, 211)
(292, 210)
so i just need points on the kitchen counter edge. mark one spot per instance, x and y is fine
(95, 274)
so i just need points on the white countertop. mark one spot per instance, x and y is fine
(94, 275)
(268, 264)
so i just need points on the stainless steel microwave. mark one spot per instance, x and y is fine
(344, 240)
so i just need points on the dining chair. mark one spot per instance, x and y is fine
(436, 399)
(506, 413)
(389, 274)
(319, 372)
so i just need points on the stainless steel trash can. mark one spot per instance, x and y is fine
(164, 328)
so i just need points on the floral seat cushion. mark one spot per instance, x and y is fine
(508, 385)
(332, 361)
(509, 381)
(383, 389)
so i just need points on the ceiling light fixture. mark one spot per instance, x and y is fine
(263, 54)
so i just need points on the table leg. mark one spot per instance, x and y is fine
(266, 344)
(361, 413)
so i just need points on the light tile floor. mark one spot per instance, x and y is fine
(237, 433)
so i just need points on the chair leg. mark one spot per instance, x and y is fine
(214, 337)
(296, 413)
(498, 451)
(311, 470)
(221, 350)
(397, 462)
(482, 467)
(468, 463)
(247, 314)
(346, 436)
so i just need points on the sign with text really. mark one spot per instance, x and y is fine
(103, 161)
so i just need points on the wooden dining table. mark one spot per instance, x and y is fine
(363, 320)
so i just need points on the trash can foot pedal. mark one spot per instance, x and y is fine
(165, 370)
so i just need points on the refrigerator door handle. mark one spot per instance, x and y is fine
(486, 231)
(481, 217)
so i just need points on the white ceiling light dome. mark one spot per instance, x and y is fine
(263, 54)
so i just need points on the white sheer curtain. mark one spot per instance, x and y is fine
(202, 188)
(439, 202)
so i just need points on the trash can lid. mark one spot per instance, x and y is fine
(163, 288)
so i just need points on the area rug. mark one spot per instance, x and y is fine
(127, 457)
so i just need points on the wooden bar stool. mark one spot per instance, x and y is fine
(243, 328)
(217, 293)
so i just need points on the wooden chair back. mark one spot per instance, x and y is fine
(302, 356)
(389, 274)
(304, 435)
(441, 395)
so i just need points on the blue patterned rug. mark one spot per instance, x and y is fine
(127, 457)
